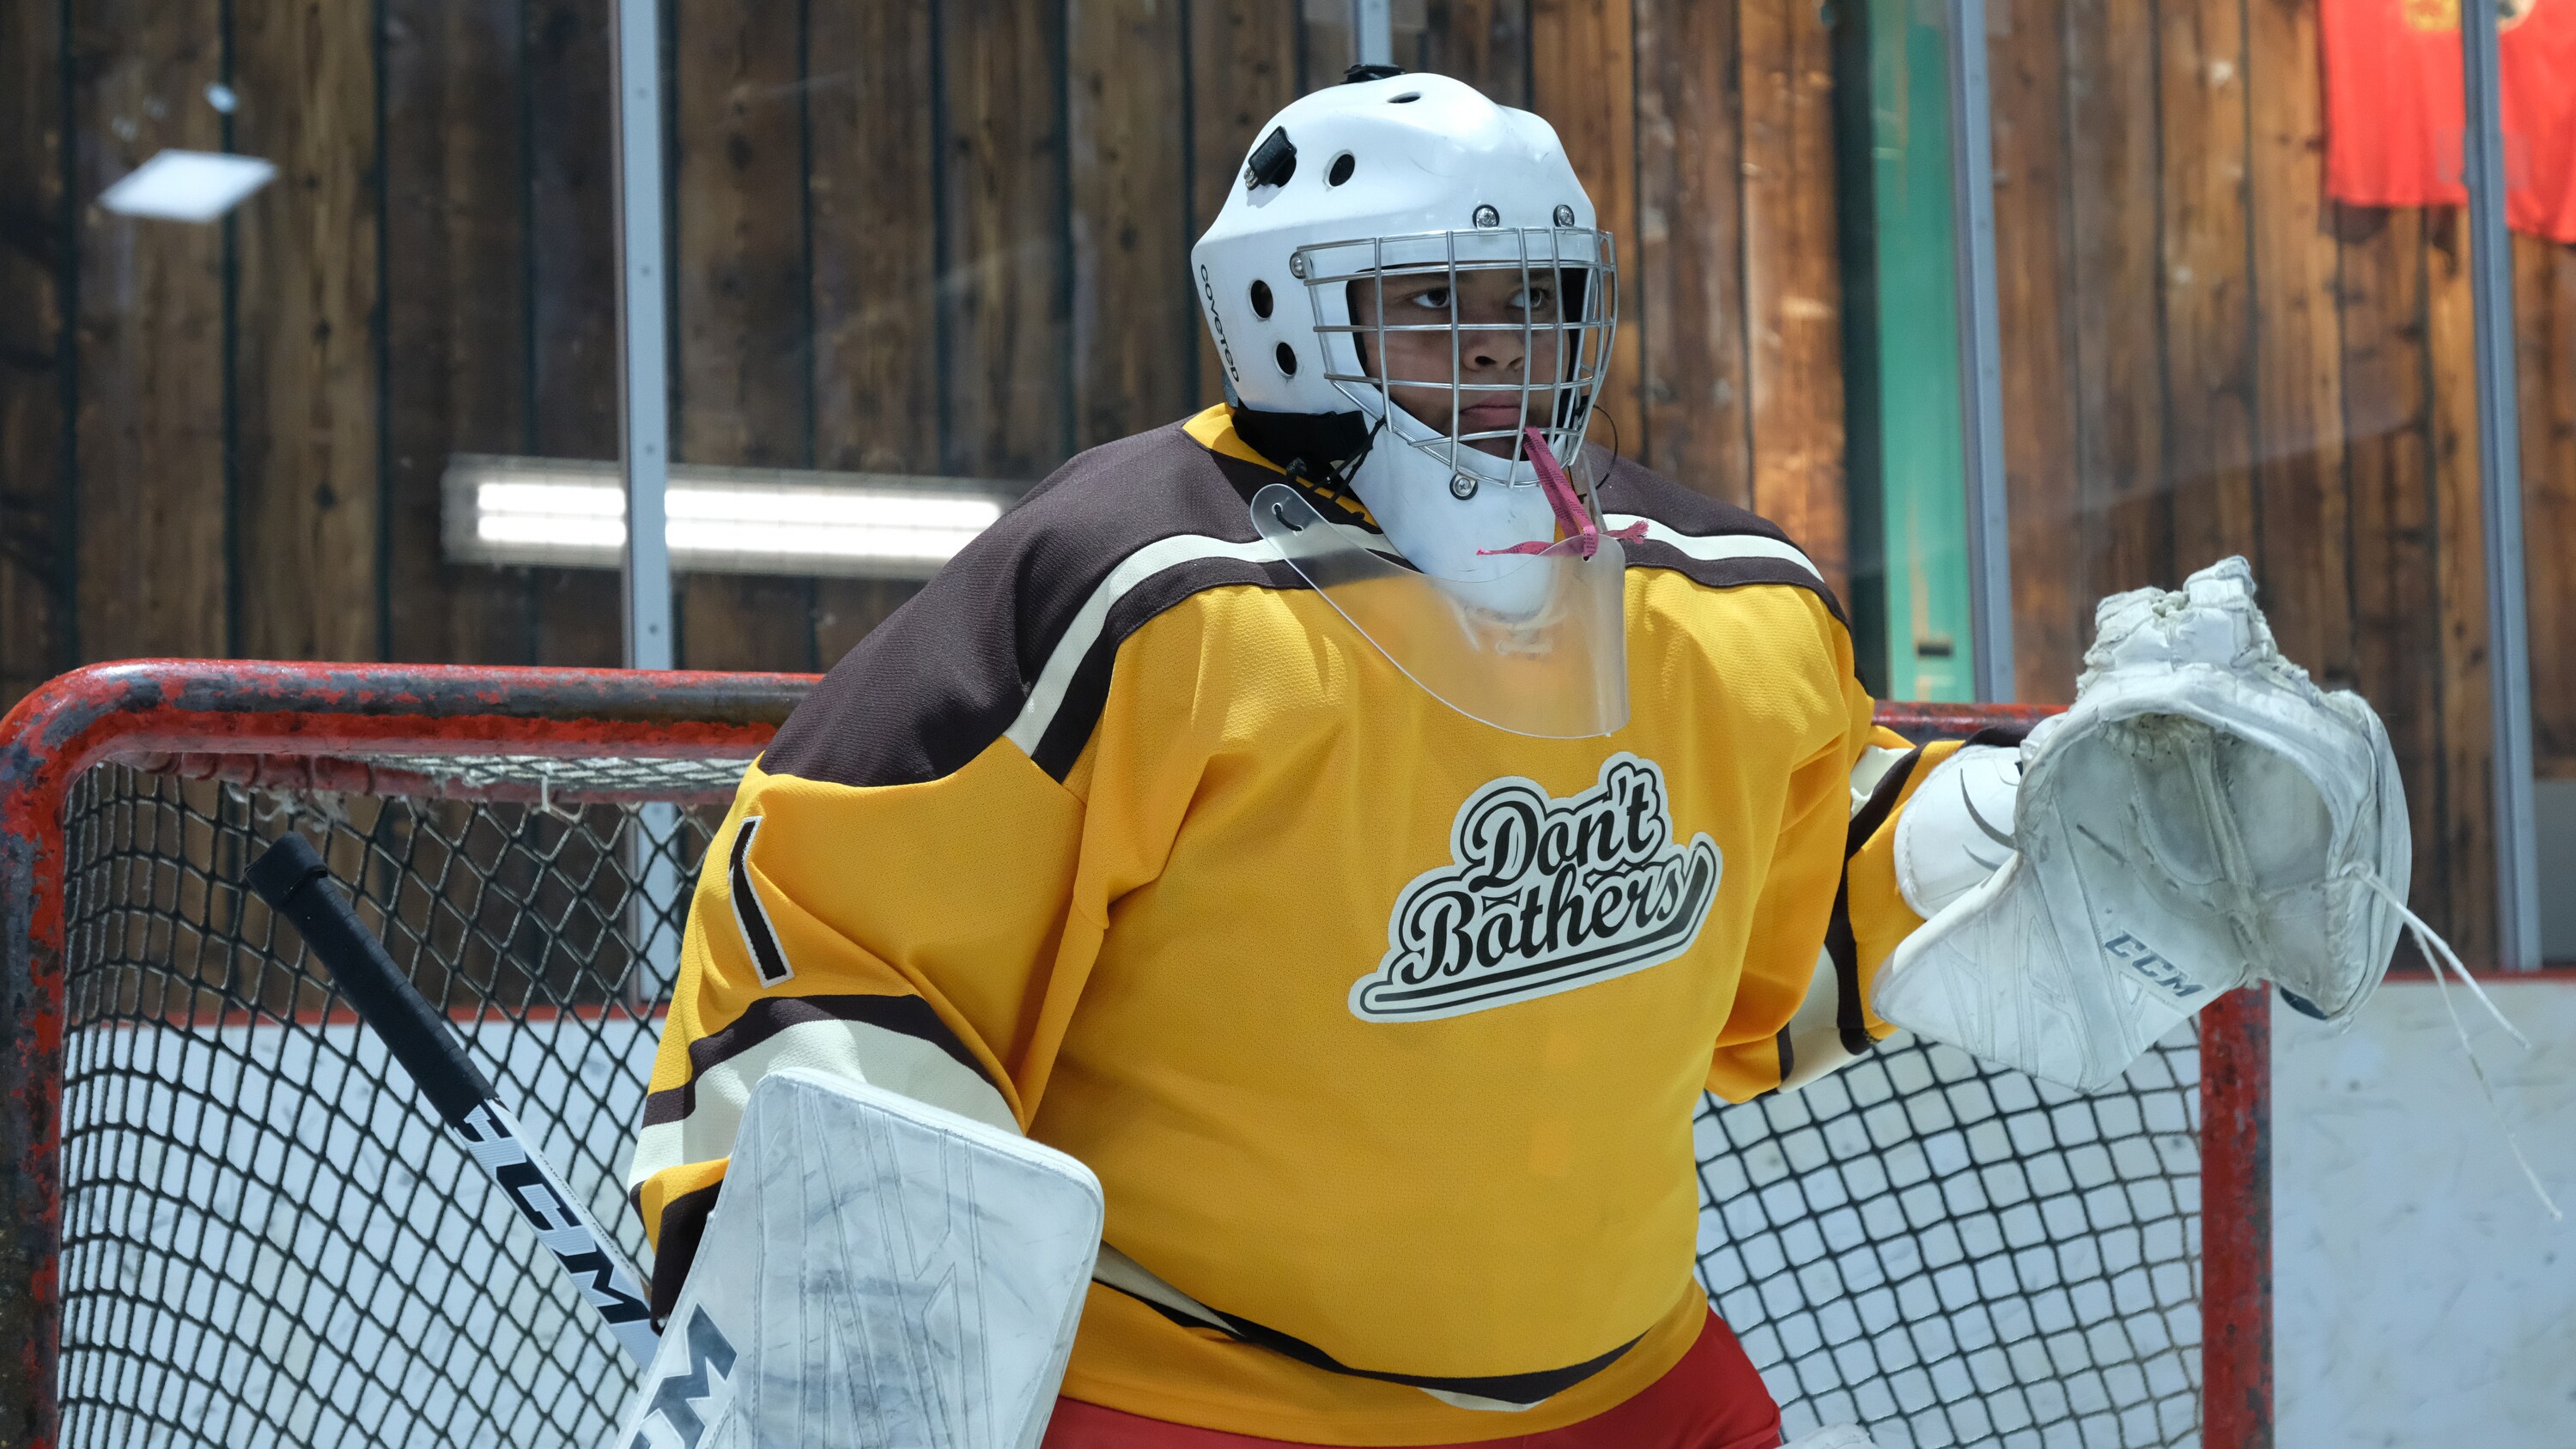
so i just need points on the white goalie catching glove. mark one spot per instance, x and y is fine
(876, 1272)
(2202, 817)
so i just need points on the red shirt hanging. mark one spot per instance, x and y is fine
(2394, 107)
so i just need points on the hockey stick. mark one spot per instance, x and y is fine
(297, 885)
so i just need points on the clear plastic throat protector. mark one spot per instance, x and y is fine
(1555, 669)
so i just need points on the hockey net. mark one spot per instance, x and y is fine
(247, 1229)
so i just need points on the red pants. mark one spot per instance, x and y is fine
(1712, 1399)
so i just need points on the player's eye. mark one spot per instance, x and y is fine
(1431, 299)
(1532, 299)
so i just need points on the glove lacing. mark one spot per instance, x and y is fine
(2437, 955)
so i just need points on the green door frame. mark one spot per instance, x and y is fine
(1908, 491)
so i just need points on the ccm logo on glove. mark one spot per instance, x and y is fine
(2133, 953)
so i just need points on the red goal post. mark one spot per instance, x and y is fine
(226, 1218)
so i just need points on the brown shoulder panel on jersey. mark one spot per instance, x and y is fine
(935, 684)
(943, 677)
(1634, 488)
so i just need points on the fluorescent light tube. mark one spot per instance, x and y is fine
(719, 520)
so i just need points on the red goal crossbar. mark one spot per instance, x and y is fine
(364, 729)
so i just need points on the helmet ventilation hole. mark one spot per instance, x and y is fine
(1408, 98)
(1343, 165)
(1261, 299)
(1287, 356)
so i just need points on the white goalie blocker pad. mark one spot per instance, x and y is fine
(876, 1272)
(2203, 816)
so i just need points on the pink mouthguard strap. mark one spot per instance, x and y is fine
(1572, 518)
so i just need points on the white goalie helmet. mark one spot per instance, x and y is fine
(1404, 176)
(1389, 181)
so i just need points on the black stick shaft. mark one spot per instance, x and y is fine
(297, 885)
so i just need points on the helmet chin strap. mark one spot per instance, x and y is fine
(1324, 448)
(1337, 475)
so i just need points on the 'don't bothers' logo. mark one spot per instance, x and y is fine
(1543, 895)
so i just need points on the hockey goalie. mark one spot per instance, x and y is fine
(1234, 960)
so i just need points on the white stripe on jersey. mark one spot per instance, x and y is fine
(1872, 766)
(858, 1050)
(1712, 548)
(1047, 695)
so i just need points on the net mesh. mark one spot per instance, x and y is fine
(268, 1240)
(1954, 1254)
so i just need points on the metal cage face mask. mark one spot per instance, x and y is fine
(1557, 324)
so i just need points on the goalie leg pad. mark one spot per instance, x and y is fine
(878, 1272)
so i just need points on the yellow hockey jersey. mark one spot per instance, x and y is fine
(1382, 1028)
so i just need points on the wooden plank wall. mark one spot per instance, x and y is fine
(36, 594)
(945, 237)
(2204, 356)
(951, 237)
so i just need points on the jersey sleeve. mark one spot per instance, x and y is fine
(914, 880)
(902, 935)
(1830, 913)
